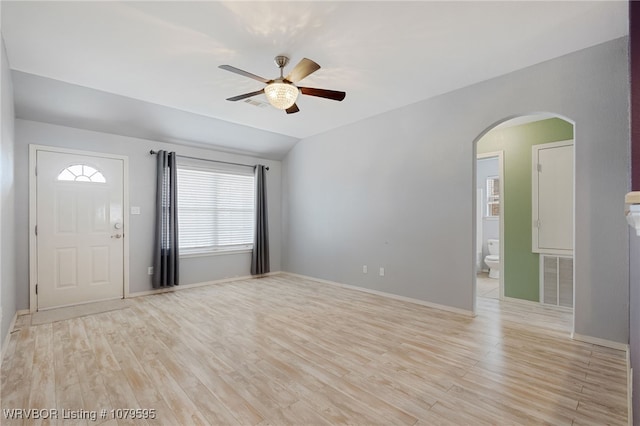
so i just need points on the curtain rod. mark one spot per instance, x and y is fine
(152, 152)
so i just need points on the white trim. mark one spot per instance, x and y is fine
(126, 212)
(201, 284)
(7, 338)
(500, 155)
(538, 304)
(522, 301)
(5, 342)
(600, 342)
(629, 388)
(33, 249)
(388, 295)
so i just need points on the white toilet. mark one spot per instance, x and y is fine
(493, 259)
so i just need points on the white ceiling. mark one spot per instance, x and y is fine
(383, 54)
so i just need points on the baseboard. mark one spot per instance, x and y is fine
(5, 342)
(202, 284)
(388, 295)
(538, 304)
(522, 301)
(629, 389)
(600, 342)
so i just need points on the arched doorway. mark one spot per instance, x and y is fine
(525, 271)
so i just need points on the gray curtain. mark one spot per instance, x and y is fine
(260, 257)
(165, 256)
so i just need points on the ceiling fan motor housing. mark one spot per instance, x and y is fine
(281, 61)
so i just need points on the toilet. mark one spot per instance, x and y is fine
(493, 259)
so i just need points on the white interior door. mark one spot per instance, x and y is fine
(553, 198)
(80, 248)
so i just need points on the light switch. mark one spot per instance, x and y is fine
(135, 210)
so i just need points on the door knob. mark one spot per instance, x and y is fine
(117, 236)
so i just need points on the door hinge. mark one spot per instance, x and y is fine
(36, 288)
(536, 223)
(539, 167)
(36, 230)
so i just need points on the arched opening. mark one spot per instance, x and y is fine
(518, 255)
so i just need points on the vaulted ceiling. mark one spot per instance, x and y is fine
(150, 69)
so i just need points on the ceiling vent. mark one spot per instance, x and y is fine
(256, 103)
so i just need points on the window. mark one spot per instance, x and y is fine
(493, 197)
(81, 173)
(216, 209)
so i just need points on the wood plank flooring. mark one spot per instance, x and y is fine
(288, 351)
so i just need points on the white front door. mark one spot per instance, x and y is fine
(80, 249)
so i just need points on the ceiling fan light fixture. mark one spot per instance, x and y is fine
(282, 92)
(281, 95)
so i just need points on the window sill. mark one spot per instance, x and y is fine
(215, 253)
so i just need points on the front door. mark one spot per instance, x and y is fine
(79, 226)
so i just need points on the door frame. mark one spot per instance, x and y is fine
(500, 156)
(33, 205)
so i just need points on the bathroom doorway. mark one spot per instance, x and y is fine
(489, 225)
(527, 273)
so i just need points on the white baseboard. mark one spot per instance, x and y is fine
(388, 295)
(195, 285)
(538, 304)
(5, 342)
(522, 301)
(600, 342)
(629, 389)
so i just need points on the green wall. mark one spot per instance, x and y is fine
(521, 267)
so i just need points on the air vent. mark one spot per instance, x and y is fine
(556, 276)
(256, 103)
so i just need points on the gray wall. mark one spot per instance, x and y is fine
(7, 197)
(141, 193)
(397, 191)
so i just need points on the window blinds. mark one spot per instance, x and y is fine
(216, 209)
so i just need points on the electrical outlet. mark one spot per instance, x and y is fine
(364, 269)
(150, 270)
(381, 271)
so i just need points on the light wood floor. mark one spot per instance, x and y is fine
(283, 350)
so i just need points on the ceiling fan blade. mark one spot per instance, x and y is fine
(323, 93)
(292, 109)
(244, 73)
(303, 69)
(246, 95)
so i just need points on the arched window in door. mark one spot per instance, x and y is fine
(81, 173)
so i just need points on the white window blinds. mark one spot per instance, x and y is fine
(216, 209)
(493, 197)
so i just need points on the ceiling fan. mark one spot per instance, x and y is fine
(282, 92)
